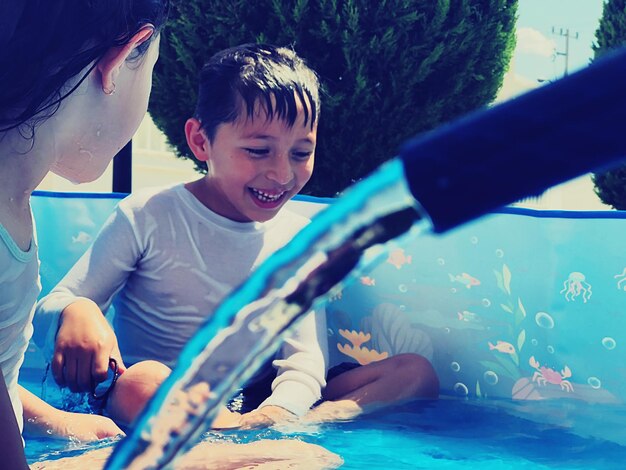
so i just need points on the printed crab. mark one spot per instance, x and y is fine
(545, 375)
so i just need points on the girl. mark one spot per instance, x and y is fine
(75, 78)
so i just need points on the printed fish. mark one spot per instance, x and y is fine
(468, 316)
(465, 279)
(502, 346)
(82, 237)
(368, 281)
(398, 258)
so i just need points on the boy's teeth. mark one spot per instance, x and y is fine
(265, 197)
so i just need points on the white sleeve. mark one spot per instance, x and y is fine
(301, 372)
(98, 275)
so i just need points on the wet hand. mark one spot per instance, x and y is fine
(264, 417)
(85, 342)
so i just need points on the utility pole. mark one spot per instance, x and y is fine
(566, 34)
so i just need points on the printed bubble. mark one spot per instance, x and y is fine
(491, 377)
(402, 307)
(460, 389)
(330, 332)
(609, 343)
(446, 330)
(500, 253)
(403, 288)
(455, 366)
(544, 320)
(474, 240)
(453, 290)
(534, 342)
(550, 349)
(594, 382)
(486, 302)
(441, 261)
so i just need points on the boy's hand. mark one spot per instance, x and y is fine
(266, 416)
(84, 343)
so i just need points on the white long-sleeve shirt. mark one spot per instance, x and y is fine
(165, 261)
(19, 288)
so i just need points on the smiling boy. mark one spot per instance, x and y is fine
(167, 257)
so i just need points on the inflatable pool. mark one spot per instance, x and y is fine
(522, 313)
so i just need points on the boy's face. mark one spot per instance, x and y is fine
(255, 166)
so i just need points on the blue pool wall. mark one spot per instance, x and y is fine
(520, 304)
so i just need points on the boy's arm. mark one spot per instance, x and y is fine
(42, 419)
(69, 325)
(301, 370)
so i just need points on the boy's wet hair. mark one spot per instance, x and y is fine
(240, 79)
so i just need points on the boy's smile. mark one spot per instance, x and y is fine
(254, 165)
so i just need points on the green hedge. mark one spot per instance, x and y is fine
(389, 69)
(611, 186)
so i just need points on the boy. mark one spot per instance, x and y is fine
(167, 258)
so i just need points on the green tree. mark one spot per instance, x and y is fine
(389, 69)
(611, 33)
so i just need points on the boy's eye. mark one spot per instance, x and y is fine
(302, 155)
(257, 152)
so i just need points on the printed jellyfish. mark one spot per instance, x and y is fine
(575, 286)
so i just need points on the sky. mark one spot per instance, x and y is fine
(541, 27)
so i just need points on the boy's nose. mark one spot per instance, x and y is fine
(281, 172)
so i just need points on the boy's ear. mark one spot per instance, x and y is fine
(109, 65)
(197, 140)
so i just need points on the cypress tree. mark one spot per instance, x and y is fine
(611, 33)
(389, 68)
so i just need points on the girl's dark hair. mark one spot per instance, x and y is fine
(45, 43)
(236, 80)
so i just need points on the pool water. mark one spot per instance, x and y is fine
(448, 433)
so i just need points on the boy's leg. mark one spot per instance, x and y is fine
(13, 448)
(133, 390)
(397, 378)
(139, 383)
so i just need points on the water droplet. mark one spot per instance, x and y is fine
(441, 261)
(594, 382)
(402, 308)
(550, 349)
(403, 288)
(499, 253)
(534, 342)
(474, 240)
(486, 302)
(609, 343)
(446, 330)
(460, 389)
(453, 290)
(544, 320)
(490, 377)
(455, 366)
